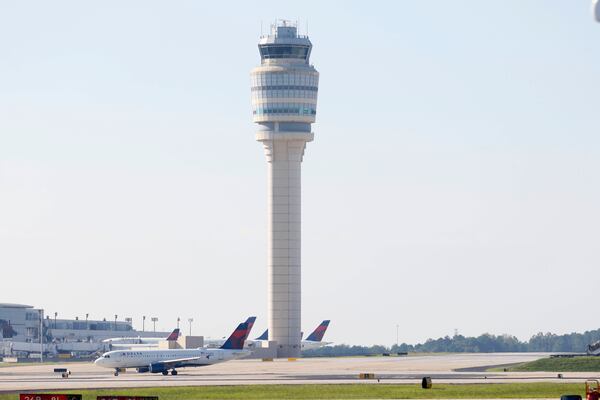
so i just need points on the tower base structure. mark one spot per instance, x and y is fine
(284, 152)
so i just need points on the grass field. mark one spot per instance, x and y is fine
(355, 391)
(575, 364)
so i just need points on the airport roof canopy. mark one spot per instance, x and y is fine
(12, 305)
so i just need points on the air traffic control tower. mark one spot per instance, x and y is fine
(284, 105)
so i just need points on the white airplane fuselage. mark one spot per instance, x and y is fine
(216, 343)
(145, 359)
(311, 344)
(306, 344)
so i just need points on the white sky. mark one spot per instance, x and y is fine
(452, 183)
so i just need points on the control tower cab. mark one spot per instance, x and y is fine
(285, 85)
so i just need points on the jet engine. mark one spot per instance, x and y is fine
(157, 368)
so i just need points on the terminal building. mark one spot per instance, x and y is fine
(24, 330)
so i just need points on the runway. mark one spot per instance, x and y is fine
(442, 369)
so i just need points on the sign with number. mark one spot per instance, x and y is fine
(48, 396)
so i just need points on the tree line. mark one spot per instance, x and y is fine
(486, 343)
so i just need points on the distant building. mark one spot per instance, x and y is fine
(20, 327)
(19, 322)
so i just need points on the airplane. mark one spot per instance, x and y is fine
(163, 361)
(131, 342)
(313, 341)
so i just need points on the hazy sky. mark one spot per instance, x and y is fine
(453, 182)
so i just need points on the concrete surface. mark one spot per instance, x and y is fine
(312, 370)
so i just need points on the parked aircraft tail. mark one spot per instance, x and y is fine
(174, 335)
(239, 336)
(264, 336)
(318, 333)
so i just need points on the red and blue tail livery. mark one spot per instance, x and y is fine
(318, 333)
(250, 322)
(239, 336)
(174, 335)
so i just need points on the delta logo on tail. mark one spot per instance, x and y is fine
(315, 339)
(174, 335)
(239, 336)
(318, 333)
(250, 322)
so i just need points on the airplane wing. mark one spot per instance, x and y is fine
(176, 362)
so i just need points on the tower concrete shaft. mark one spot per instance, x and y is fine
(284, 100)
(284, 156)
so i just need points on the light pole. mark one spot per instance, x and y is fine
(178, 319)
(143, 323)
(116, 321)
(42, 335)
(154, 319)
(55, 315)
(129, 322)
(86, 321)
(190, 320)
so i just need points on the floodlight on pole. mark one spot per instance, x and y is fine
(154, 319)
(42, 335)
(190, 320)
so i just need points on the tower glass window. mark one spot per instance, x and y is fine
(271, 51)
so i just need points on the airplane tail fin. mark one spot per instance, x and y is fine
(173, 336)
(318, 333)
(250, 322)
(239, 336)
(264, 336)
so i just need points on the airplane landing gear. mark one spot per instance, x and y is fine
(173, 372)
(165, 373)
(117, 372)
